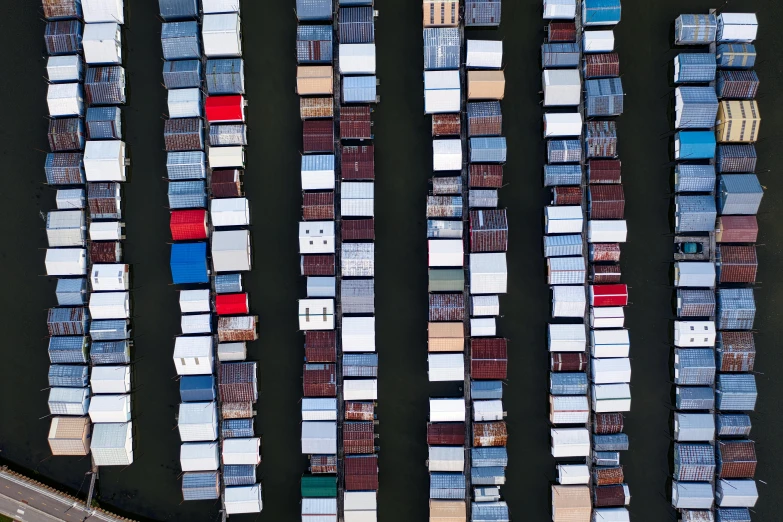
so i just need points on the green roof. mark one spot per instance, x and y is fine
(319, 486)
(447, 280)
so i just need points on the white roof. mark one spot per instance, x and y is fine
(611, 391)
(487, 410)
(221, 35)
(616, 514)
(559, 9)
(110, 305)
(360, 500)
(316, 237)
(220, 6)
(195, 346)
(736, 493)
(737, 27)
(194, 301)
(102, 43)
(607, 231)
(229, 212)
(199, 456)
(438, 101)
(110, 408)
(441, 80)
(598, 41)
(357, 198)
(447, 410)
(570, 442)
(445, 252)
(66, 261)
(561, 87)
(102, 31)
(692, 495)
(694, 427)
(357, 58)
(103, 11)
(611, 371)
(197, 421)
(184, 103)
(485, 54)
(65, 99)
(221, 157)
(243, 499)
(318, 506)
(105, 231)
(110, 379)
(694, 273)
(567, 338)
(483, 305)
(446, 367)
(232, 351)
(360, 389)
(104, 160)
(242, 451)
(109, 277)
(568, 301)
(694, 333)
(321, 286)
(319, 409)
(562, 124)
(446, 154)
(358, 334)
(63, 68)
(483, 327)
(488, 273)
(316, 314)
(573, 474)
(196, 323)
(446, 458)
(319, 437)
(231, 250)
(563, 219)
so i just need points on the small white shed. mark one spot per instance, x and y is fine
(573, 474)
(226, 157)
(607, 317)
(736, 493)
(362, 501)
(611, 398)
(219, 6)
(106, 231)
(221, 35)
(360, 389)
(103, 11)
(447, 410)
(694, 334)
(198, 421)
(568, 301)
(193, 301)
(229, 212)
(446, 367)
(231, 250)
(566, 338)
(737, 27)
(559, 10)
(184, 103)
(110, 305)
(357, 199)
(110, 408)
(199, 456)
(193, 355)
(697, 274)
(316, 314)
(66, 261)
(65, 99)
(319, 409)
(67, 68)
(358, 334)
(105, 160)
(610, 343)
(611, 371)
(243, 499)
(692, 495)
(562, 87)
(110, 277)
(319, 438)
(568, 409)
(488, 411)
(357, 58)
(445, 252)
(318, 286)
(442, 92)
(102, 43)
(570, 442)
(483, 327)
(485, 54)
(65, 228)
(607, 231)
(228, 352)
(112, 444)
(488, 273)
(196, 324)
(557, 124)
(245, 451)
(316, 237)
(563, 219)
(110, 379)
(484, 305)
(446, 155)
(446, 458)
(694, 427)
(598, 41)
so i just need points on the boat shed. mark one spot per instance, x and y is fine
(694, 366)
(568, 301)
(188, 224)
(695, 303)
(732, 158)
(736, 55)
(690, 334)
(604, 97)
(738, 121)
(243, 499)
(565, 270)
(601, 65)
(102, 43)
(695, 107)
(739, 194)
(221, 34)
(694, 213)
(566, 338)
(231, 250)
(563, 151)
(692, 495)
(316, 237)
(694, 68)
(694, 427)
(314, 44)
(607, 317)
(441, 92)
(112, 444)
(482, 13)
(186, 165)
(358, 334)
(735, 392)
(441, 48)
(736, 309)
(736, 351)
(737, 84)
(737, 27)
(484, 54)
(318, 172)
(609, 343)
(189, 263)
(600, 12)
(316, 314)
(359, 89)
(559, 9)
(570, 442)
(571, 503)
(562, 124)
(563, 245)
(556, 55)
(694, 178)
(562, 87)
(611, 398)
(598, 41)
(181, 74)
(736, 264)
(486, 85)
(193, 355)
(695, 29)
(313, 10)
(445, 337)
(694, 274)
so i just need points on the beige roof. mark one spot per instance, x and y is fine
(432, 13)
(447, 511)
(314, 79)
(445, 337)
(571, 504)
(738, 121)
(69, 435)
(316, 107)
(486, 85)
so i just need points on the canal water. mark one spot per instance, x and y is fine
(149, 488)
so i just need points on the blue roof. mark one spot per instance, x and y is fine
(359, 89)
(314, 9)
(178, 9)
(601, 12)
(313, 162)
(487, 476)
(239, 475)
(486, 389)
(491, 150)
(193, 388)
(200, 485)
(189, 263)
(695, 145)
(482, 12)
(236, 428)
(488, 457)
(489, 512)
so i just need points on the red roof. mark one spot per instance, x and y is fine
(737, 229)
(318, 205)
(231, 304)
(608, 295)
(355, 123)
(561, 32)
(488, 358)
(320, 380)
(317, 265)
(486, 176)
(446, 124)
(446, 434)
(225, 108)
(606, 202)
(568, 362)
(604, 252)
(188, 224)
(605, 273)
(358, 438)
(358, 162)
(567, 195)
(361, 473)
(320, 346)
(357, 229)
(604, 171)
(318, 135)
(488, 348)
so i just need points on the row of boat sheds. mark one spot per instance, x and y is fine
(716, 198)
(467, 237)
(336, 84)
(205, 136)
(89, 344)
(584, 226)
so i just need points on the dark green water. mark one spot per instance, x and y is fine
(149, 488)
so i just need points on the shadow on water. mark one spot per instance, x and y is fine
(150, 486)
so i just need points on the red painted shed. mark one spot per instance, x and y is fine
(605, 273)
(361, 473)
(561, 32)
(567, 195)
(355, 123)
(188, 224)
(609, 295)
(604, 171)
(318, 206)
(358, 162)
(488, 358)
(737, 229)
(317, 265)
(446, 433)
(318, 135)
(357, 229)
(605, 202)
(568, 362)
(225, 108)
(319, 380)
(321, 346)
(485, 176)
(232, 304)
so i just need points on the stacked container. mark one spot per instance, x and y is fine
(716, 199)
(584, 226)
(335, 50)
(204, 74)
(87, 163)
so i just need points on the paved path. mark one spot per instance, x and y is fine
(28, 501)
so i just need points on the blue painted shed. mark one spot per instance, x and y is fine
(695, 107)
(68, 376)
(488, 150)
(694, 214)
(732, 425)
(489, 457)
(441, 48)
(104, 123)
(447, 486)
(314, 44)
(736, 392)
(109, 330)
(601, 12)
(239, 475)
(568, 383)
(195, 388)
(482, 13)
(736, 309)
(187, 194)
(357, 25)
(236, 428)
(71, 292)
(189, 263)
(486, 390)
(613, 442)
(694, 178)
(694, 145)
(694, 68)
(228, 283)
(359, 89)
(736, 55)
(739, 194)
(68, 349)
(694, 398)
(313, 10)
(180, 40)
(182, 74)
(186, 165)
(200, 485)
(694, 366)
(178, 9)
(604, 97)
(695, 29)
(110, 352)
